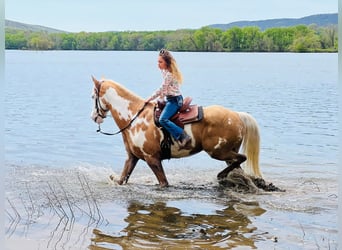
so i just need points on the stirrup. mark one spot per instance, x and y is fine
(184, 141)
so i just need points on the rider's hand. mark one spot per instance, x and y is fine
(147, 100)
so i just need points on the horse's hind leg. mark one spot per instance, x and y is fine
(130, 164)
(157, 168)
(234, 162)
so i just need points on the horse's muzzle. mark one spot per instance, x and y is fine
(96, 118)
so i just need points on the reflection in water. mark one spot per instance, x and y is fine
(76, 209)
(159, 226)
(299, 149)
(70, 204)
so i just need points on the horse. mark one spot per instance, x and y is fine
(221, 133)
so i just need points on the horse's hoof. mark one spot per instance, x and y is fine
(164, 185)
(221, 176)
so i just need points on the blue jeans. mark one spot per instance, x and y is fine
(173, 104)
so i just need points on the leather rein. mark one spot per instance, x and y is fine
(100, 108)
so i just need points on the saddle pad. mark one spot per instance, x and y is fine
(190, 114)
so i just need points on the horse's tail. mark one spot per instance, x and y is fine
(251, 144)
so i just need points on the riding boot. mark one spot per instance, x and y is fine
(183, 140)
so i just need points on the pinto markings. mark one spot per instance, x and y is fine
(219, 134)
(119, 103)
(221, 142)
(138, 133)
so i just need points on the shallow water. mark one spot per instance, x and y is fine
(195, 212)
(58, 192)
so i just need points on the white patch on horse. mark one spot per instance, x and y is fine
(138, 136)
(220, 142)
(118, 103)
(230, 121)
(139, 121)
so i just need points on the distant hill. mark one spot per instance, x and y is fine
(30, 27)
(320, 20)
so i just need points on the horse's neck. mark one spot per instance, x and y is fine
(123, 104)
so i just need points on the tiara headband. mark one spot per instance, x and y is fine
(166, 54)
(163, 52)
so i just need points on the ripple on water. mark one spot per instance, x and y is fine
(192, 212)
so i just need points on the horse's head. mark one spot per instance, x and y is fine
(100, 109)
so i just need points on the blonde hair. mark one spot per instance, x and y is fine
(171, 64)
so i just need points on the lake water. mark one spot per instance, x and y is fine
(54, 155)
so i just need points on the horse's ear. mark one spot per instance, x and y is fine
(96, 82)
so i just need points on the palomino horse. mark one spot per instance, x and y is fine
(220, 133)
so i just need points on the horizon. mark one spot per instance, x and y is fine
(154, 15)
(259, 20)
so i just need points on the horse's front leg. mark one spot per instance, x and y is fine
(157, 168)
(130, 164)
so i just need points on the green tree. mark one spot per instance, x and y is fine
(68, 42)
(306, 40)
(115, 42)
(152, 41)
(279, 39)
(181, 40)
(39, 41)
(296, 39)
(15, 40)
(208, 39)
(232, 39)
(328, 36)
(82, 41)
(130, 40)
(250, 39)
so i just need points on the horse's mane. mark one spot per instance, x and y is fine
(123, 91)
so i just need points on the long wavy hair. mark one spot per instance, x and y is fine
(171, 64)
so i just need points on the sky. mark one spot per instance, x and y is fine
(152, 15)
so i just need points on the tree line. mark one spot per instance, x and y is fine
(299, 38)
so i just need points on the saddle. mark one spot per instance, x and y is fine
(188, 113)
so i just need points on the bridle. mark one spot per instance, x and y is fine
(101, 112)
